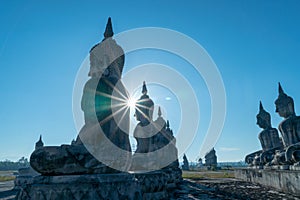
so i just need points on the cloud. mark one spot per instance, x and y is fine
(168, 98)
(229, 149)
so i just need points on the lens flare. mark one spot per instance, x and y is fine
(131, 102)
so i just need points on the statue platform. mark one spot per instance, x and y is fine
(151, 185)
(283, 180)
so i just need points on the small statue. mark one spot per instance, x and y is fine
(185, 165)
(211, 159)
(156, 145)
(269, 139)
(39, 144)
(144, 130)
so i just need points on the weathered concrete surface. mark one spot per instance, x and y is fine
(7, 191)
(229, 189)
(131, 186)
(283, 180)
(226, 188)
(69, 187)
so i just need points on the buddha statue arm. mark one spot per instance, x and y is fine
(275, 140)
(262, 140)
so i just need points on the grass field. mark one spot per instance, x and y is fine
(7, 176)
(207, 174)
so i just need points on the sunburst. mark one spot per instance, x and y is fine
(131, 101)
(120, 104)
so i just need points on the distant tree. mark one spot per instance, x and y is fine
(10, 165)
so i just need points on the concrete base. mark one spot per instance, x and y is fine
(130, 186)
(295, 168)
(282, 180)
(256, 167)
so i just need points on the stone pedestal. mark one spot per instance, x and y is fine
(93, 186)
(295, 168)
(25, 176)
(131, 186)
(282, 180)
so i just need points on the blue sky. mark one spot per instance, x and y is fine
(255, 44)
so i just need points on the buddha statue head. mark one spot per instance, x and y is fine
(263, 118)
(284, 104)
(107, 57)
(144, 107)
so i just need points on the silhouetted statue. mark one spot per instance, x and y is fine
(211, 159)
(268, 137)
(101, 133)
(156, 145)
(185, 165)
(39, 144)
(289, 129)
(144, 130)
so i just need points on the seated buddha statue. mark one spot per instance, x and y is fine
(101, 132)
(144, 130)
(268, 137)
(289, 129)
(156, 145)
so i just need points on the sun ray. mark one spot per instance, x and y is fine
(122, 117)
(141, 106)
(144, 115)
(115, 88)
(111, 116)
(116, 105)
(110, 96)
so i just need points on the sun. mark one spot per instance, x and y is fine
(131, 102)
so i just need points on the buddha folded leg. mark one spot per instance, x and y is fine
(53, 160)
(292, 153)
(268, 155)
(66, 159)
(249, 159)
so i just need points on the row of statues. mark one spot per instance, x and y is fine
(278, 151)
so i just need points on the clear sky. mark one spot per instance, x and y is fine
(255, 44)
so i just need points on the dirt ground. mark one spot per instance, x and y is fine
(6, 190)
(227, 188)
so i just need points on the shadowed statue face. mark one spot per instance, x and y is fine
(142, 114)
(262, 123)
(284, 110)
